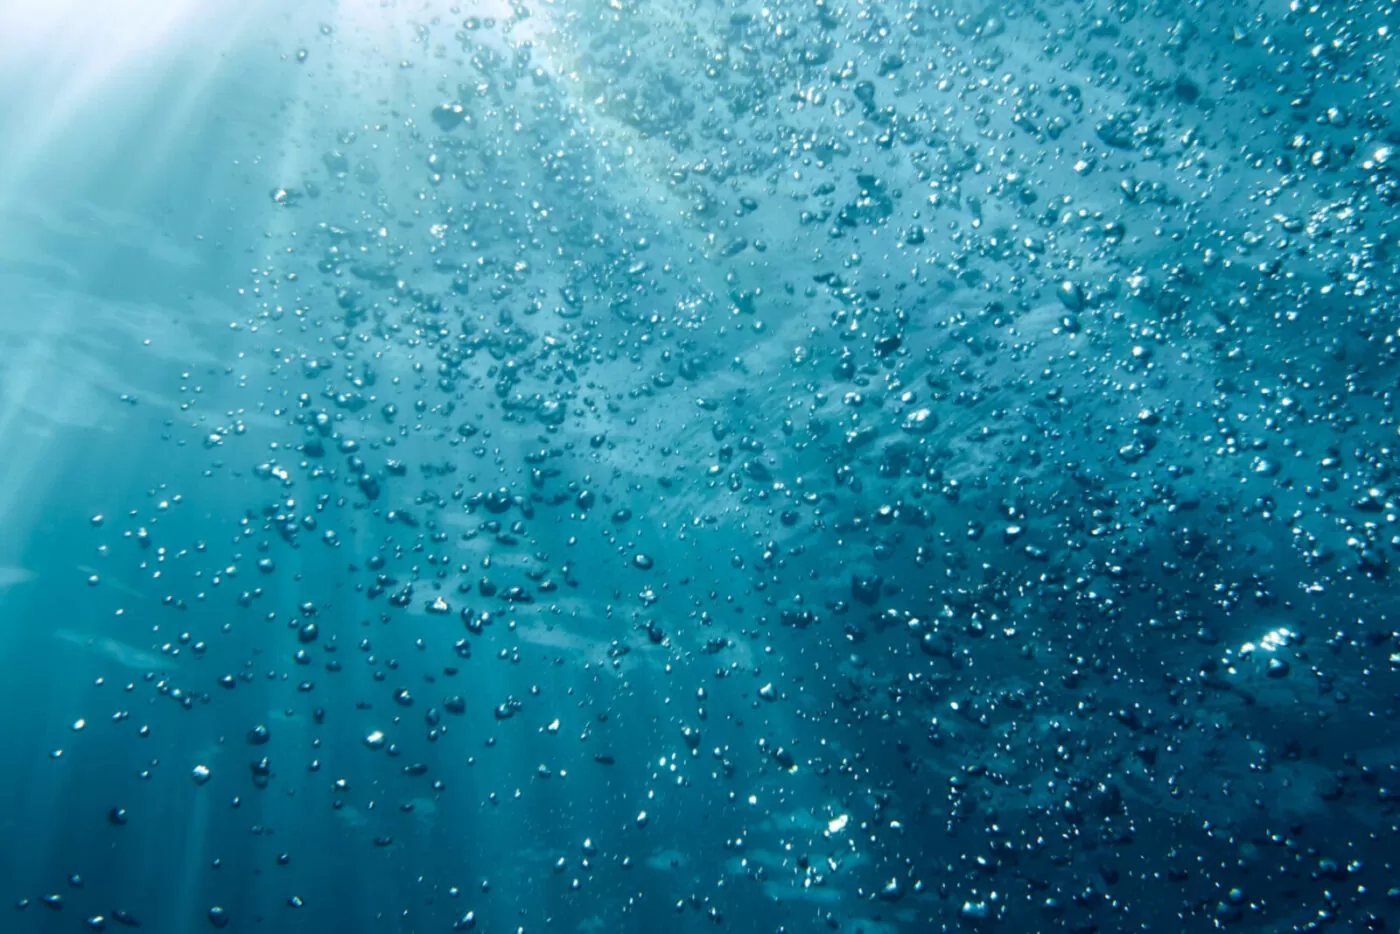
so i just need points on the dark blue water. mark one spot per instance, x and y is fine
(622, 466)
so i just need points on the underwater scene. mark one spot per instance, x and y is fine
(855, 466)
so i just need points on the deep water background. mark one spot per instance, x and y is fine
(1000, 398)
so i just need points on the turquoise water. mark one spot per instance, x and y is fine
(606, 466)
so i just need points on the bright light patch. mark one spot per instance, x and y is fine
(1272, 641)
(66, 64)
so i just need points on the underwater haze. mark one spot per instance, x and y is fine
(538, 466)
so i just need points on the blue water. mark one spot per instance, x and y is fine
(625, 466)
